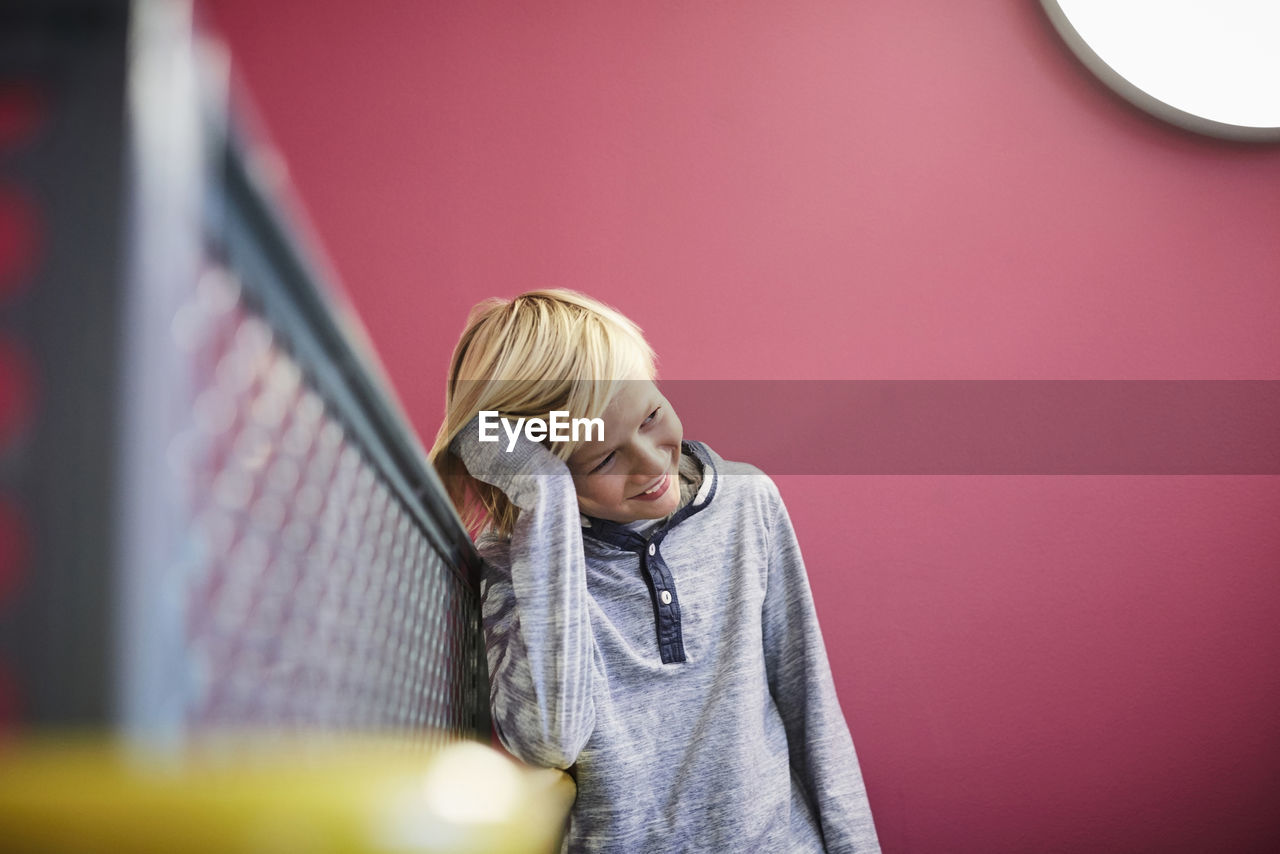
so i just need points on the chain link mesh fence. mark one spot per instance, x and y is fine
(314, 599)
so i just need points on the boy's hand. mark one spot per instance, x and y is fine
(492, 463)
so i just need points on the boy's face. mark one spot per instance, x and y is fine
(632, 474)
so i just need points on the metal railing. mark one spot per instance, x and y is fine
(225, 519)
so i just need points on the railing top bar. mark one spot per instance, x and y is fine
(359, 398)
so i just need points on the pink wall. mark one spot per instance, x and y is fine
(877, 190)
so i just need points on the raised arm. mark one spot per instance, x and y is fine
(822, 753)
(537, 625)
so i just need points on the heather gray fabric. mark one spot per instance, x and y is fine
(740, 747)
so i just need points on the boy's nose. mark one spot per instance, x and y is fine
(653, 461)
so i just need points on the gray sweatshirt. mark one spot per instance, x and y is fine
(679, 673)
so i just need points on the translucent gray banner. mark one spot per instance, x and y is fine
(971, 427)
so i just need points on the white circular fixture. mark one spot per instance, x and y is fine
(1211, 66)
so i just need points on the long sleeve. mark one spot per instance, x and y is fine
(821, 749)
(535, 610)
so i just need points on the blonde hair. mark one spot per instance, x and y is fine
(544, 350)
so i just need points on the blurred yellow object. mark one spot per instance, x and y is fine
(263, 793)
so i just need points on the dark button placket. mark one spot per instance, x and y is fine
(653, 567)
(666, 604)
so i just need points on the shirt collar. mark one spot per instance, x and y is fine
(622, 537)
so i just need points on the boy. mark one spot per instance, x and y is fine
(647, 616)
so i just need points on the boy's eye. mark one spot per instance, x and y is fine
(605, 462)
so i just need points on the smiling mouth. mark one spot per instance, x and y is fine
(656, 491)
